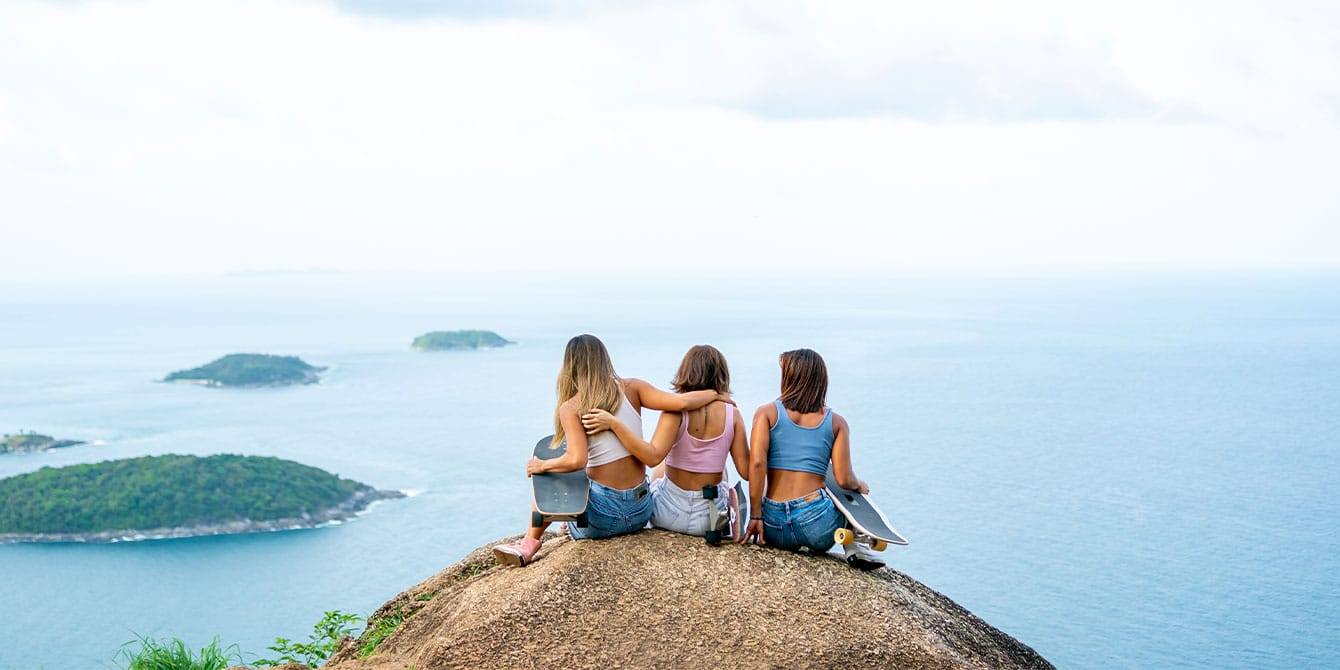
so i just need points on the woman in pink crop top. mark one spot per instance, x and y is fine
(619, 500)
(693, 445)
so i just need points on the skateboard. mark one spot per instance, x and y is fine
(559, 496)
(867, 524)
(731, 523)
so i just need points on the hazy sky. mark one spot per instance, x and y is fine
(171, 136)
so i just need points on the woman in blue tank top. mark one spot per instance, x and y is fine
(794, 439)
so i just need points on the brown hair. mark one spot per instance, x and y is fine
(804, 381)
(703, 368)
(587, 375)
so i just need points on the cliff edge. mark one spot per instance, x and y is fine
(660, 599)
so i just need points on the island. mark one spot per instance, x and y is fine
(28, 442)
(154, 497)
(443, 340)
(250, 370)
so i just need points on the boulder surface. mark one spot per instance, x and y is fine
(660, 599)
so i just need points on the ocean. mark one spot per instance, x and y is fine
(1122, 471)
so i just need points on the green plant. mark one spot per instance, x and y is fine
(325, 639)
(379, 631)
(173, 654)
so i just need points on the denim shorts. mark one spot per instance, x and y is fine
(807, 521)
(683, 511)
(611, 512)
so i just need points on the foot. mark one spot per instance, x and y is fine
(861, 558)
(517, 553)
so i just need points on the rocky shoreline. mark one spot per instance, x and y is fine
(32, 443)
(348, 509)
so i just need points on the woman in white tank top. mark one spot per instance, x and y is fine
(619, 502)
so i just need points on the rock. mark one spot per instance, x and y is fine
(660, 599)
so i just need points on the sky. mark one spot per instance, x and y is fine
(170, 137)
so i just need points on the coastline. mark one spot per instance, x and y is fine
(350, 508)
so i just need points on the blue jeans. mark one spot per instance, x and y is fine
(807, 521)
(611, 512)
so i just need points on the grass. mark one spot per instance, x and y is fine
(378, 632)
(173, 654)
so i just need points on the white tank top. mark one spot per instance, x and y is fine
(605, 447)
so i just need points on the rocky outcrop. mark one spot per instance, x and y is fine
(659, 599)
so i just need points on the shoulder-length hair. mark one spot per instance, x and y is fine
(804, 381)
(587, 375)
(703, 368)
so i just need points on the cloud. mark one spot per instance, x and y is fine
(470, 10)
(158, 136)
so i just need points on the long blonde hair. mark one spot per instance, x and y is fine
(587, 375)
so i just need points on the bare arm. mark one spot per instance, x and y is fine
(642, 394)
(842, 470)
(764, 419)
(575, 457)
(650, 453)
(739, 448)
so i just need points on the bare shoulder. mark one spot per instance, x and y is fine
(569, 408)
(632, 386)
(768, 412)
(839, 423)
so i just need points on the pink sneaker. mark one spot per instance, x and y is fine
(518, 553)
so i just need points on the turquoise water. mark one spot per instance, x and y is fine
(1120, 472)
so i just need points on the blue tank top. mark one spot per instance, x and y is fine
(793, 447)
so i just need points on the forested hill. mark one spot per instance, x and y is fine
(171, 491)
(250, 370)
(459, 339)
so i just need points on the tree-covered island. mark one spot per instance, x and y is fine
(28, 441)
(250, 370)
(174, 496)
(441, 340)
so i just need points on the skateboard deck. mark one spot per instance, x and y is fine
(739, 511)
(559, 496)
(868, 525)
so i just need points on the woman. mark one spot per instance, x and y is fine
(619, 501)
(795, 439)
(693, 444)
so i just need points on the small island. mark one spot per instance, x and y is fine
(154, 497)
(26, 442)
(250, 370)
(445, 340)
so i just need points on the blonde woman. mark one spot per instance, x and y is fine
(620, 501)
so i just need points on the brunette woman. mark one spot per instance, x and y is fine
(795, 438)
(693, 444)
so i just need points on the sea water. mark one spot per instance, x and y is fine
(1120, 471)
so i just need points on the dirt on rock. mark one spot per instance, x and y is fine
(660, 599)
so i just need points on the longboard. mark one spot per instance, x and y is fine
(868, 525)
(559, 496)
(730, 523)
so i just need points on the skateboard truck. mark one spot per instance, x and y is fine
(846, 537)
(538, 519)
(716, 520)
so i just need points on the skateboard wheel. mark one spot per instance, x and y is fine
(713, 537)
(879, 545)
(536, 519)
(581, 520)
(844, 536)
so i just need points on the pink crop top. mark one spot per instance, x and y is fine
(694, 455)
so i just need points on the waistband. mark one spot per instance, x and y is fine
(636, 493)
(685, 493)
(795, 502)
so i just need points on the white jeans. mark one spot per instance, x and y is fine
(682, 511)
